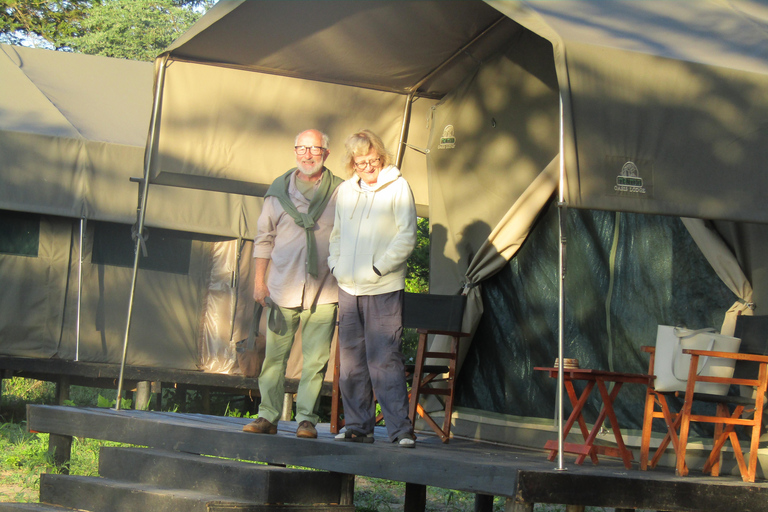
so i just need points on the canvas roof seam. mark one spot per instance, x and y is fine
(19, 64)
(464, 49)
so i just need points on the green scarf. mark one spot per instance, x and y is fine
(328, 184)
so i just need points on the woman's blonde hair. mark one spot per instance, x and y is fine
(361, 143)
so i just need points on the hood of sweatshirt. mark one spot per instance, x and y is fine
(386, 176)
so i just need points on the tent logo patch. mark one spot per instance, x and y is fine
(447, 141)
(629, 180)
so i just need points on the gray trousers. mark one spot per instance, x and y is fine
(370, 330)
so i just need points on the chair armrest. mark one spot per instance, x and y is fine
(646, 348)
(728, 355)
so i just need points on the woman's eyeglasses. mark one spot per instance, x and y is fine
(372, 163)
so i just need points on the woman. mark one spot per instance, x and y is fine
(373, 234)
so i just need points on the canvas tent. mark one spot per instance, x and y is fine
(73, 134)
(663, 112)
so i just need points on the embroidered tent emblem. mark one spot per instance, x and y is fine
(629, 180)
(447, 141)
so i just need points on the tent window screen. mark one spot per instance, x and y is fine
(167, 251)
(19, 233)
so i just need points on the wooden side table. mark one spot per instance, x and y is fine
(593, 378)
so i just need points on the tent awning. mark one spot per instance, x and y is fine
(665, 111)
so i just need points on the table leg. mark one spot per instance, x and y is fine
(582, 423)
(589, 439)
(608, 399)
(576, 416)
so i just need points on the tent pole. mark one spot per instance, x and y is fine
(404, 131)
(142, 214)
(562, 216)
(79, 288)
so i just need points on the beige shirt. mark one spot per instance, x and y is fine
(284, 243)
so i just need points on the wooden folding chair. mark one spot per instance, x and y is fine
(751, 370)
(657, 407)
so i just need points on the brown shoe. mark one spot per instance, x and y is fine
(306, 430)
(260, 426)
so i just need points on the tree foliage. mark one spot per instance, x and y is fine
(417, 278)
(49, 20)
(137, 30)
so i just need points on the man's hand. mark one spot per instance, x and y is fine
(260, 292)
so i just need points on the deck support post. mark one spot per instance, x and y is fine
(415, 498)
(62, 390)
(511, 505)
(347, 494)
(60, 450)
(156, 388)
(181, 396)
(483, 503)
(287, 407)
(206, 392)
(142, 396)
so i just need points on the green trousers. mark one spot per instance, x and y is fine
(317, 327)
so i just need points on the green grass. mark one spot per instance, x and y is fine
(24, 455)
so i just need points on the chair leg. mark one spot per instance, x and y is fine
(685, 423)
(446, 432)
(418, 371)
(673, 427)
(758, 418)
(712, 464)
(645, 442)
(737, 451)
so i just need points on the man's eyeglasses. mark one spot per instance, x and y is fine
(373, 163)
(315, 150)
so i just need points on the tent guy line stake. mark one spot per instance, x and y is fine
(140, 222)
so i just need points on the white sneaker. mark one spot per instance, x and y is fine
(406, 441)
(354, 438)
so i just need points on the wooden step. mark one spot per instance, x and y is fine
(96, 494)
(257, 483)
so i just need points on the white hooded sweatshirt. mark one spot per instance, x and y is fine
(373, 229)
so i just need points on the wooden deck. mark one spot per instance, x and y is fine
(523, 475)
(105, 375)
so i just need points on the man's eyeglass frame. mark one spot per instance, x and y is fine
(314, 150)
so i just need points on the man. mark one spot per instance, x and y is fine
(292, 239)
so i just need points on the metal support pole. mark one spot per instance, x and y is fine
(404, 131)
(142, 215)
(562, 217)
(79, 287)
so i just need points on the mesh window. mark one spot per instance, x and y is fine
(167, 251)
(19, 233)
